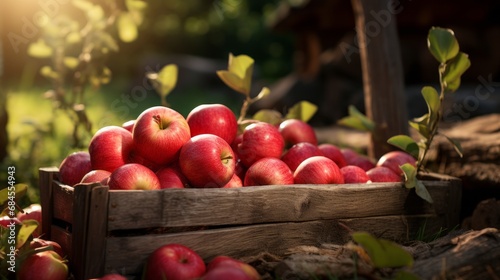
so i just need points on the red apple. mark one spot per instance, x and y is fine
(129, 125)
(38, 243)
(349, 155)
(207, 161)
(174, 262)
(74, 167)
(6, 221)
(46, 265)
(159, 133)
(95, 176)
(235, 182)
(333, 152)
(296, 131)
(135, 157)
(109, 148)
(268, 171)
(362, 162)
(214, 119)
(298, 153)
(171, 177)
(354, 174)
(318, 170)
(133, 176)
(260, 140)
(225, 261)
(383, 174)
(393, 160)
(226, 273)
(32, 212)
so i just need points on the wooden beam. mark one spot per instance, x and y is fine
(383, 81)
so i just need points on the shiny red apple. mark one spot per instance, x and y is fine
(235, 182)
(96, 176)
(74, 167)
(268, 171)
(383, 174)
(207, 161)
(46, 265)
(109, 148)
(133, 176)
(318, 170)
(38, 243)
(296, 131)
(298, 153)
(214, 119)
(159, 133)
(174, 262)
(260, 140)
(171, 177)
(334, 153)
(394, 159)
(354, 174)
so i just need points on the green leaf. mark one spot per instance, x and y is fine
(421, 125)
(39, 49)
(24, 234)
(454, 70)
(442, 44)
(405, 143)
(302, 110)
(70, 62)
(167, 78)
(264, 92)
(422, 191)
(456, 145)
(383, 253)
(127, 29)
(19, 191)
(239, 73)
(268, 116)
(431, 97)
(357, 120)
(410, 173)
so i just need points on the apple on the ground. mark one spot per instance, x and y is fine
(174, 262)
(74, 167)
(159, 133)
(268, 171)
(226, 261)
(214, 119)
(109, 148)
(383, 174)
(32, 212)
(298, 153)
(296, 131)
(354, 174)
(207, 161)
(318, 170)
(133, 176)
(333, 152)
(260, 140)
(45, 265)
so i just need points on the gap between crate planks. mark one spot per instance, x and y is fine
(105, 230)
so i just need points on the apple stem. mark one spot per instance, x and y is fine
(226, 159)
(157, 119)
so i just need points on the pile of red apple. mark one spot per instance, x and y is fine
(161, 149)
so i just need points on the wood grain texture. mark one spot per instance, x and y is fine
(45, 177)
(63, 199)
(245, 241)
(63, 238)
(253, 205)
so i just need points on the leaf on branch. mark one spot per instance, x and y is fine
(302, 110)
(405, 143)
(383, 253)
(27, 228)
(431, 97)
(422, 191)
(39, 49)
(127, 28)
(357, 120)
(268, 116)
(264, 92)
(20, 191)
(410, 173)
(454, 70)
(239, 73)
(442, 44)
(165, 80)
(456, 145)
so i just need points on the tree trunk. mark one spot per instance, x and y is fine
(383, 81)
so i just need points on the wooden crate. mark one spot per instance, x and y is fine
(105, 230)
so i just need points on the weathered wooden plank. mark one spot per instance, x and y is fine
(63, 238)
(245, 241)
(251, 205)
(63, 198)
(45, 178)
